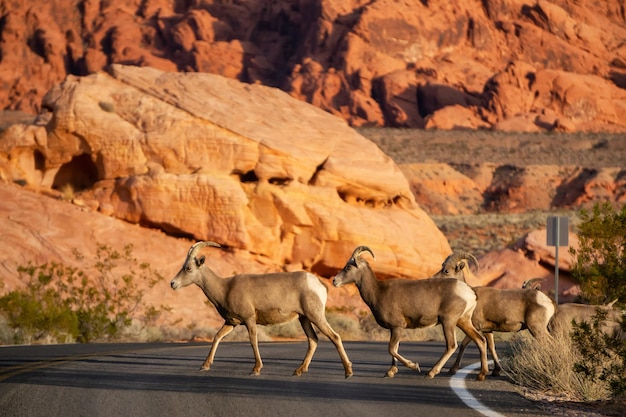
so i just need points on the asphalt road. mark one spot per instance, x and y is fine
(164, 380)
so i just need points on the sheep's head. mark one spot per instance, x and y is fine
(456, 265)
(612, 317)
(190, 273)
(352, 271)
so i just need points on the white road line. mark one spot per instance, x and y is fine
(457, 383)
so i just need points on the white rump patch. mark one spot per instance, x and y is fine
(546, 302)
(467, 293)
(317, 287)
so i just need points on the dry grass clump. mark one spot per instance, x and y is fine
(547, 366)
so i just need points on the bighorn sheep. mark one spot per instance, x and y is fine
(499, 310)
(508, 310)
(252, 299)
(398, 304)
(569, 313)
(456, 266)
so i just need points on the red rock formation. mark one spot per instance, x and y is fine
(510, 65)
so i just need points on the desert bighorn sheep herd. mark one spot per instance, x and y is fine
(396, 304)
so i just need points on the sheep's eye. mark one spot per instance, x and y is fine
(188, 269)
(446, 271)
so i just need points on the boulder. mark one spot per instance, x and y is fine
(530, 257)
(206, 157)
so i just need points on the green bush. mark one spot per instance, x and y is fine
(600, 269)
(64, 304)
(600, 266)
(602, 356)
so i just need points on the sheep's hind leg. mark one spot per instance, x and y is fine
(336, 339)
(394, 343)
(465, 324)
(221, 333)
(497, 369)
(312, 339)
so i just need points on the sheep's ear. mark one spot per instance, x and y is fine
(200, 261)
(461, 265)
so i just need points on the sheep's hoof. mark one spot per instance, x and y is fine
(480, 377)
(205, 368)
(430, 375)
(415, 367)
(299, 371)
(452, 371)
(391, 372)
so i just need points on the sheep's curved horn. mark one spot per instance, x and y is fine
(199, 245)
(359, 250)
(530, 282)
(472, 259)
(457, 256)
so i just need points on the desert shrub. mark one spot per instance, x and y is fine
(64, 304)
(600, 269)
(347, 326)
(602, 356)
(548, 365)
(289, 330)
(600, 266)
(587, 365)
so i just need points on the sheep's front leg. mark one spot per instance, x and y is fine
(459, 357)
(394, 343)
(258, 364)
(451, 345)
(312, 339)
(223, 331)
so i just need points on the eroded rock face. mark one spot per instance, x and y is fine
(445, 189)
(509, 65)
(207, 157)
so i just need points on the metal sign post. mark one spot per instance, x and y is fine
(557, 235)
